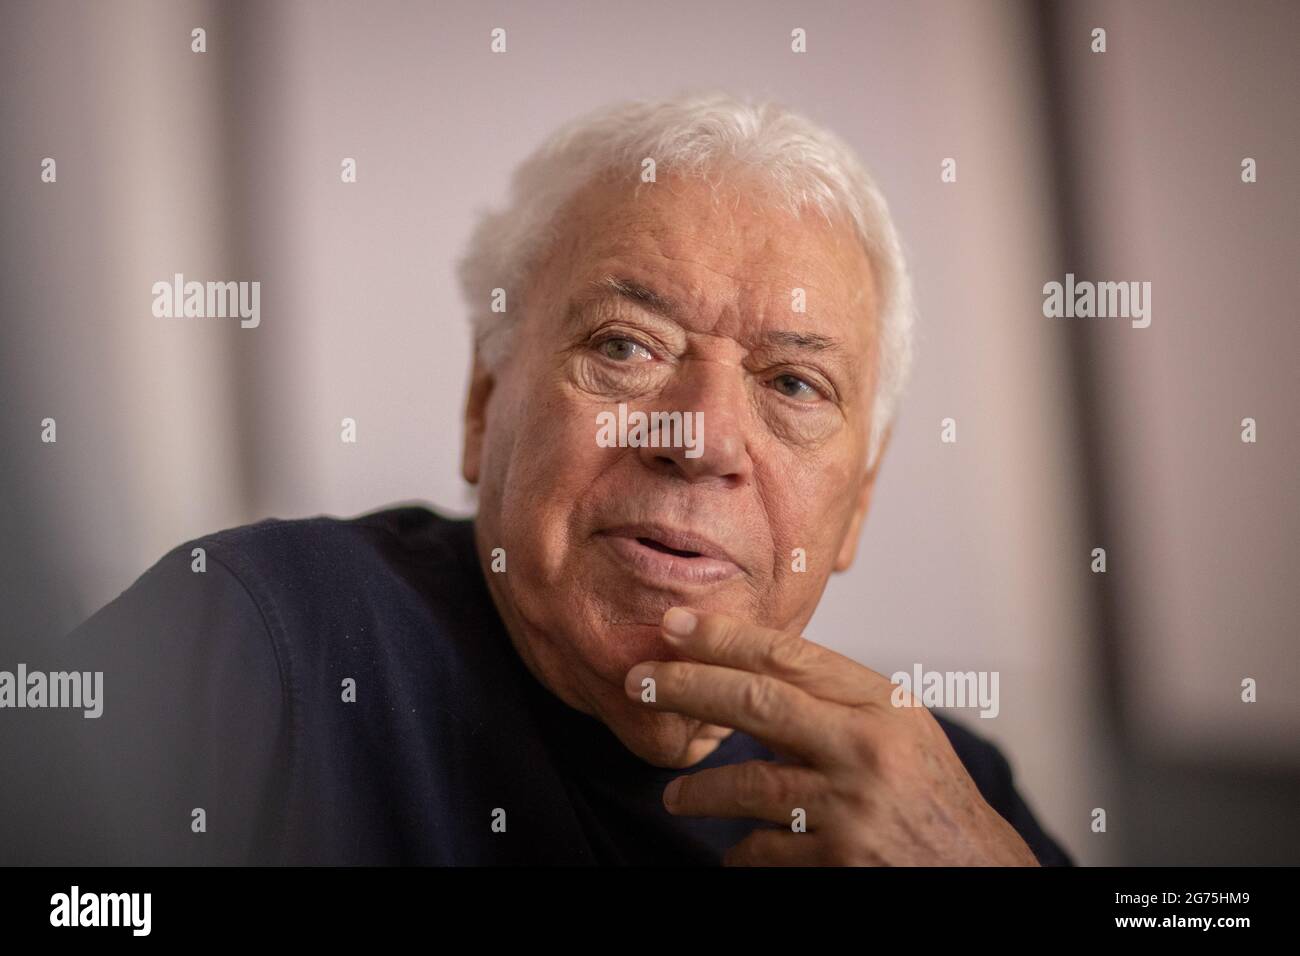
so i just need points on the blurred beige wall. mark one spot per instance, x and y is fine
(1207, 545)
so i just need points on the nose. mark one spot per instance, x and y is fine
(713, 406)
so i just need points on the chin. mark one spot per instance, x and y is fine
(620, 646)
(658, 738)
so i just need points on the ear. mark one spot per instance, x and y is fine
(480, 388)
(849, 546)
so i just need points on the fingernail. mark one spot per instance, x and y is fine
(670, 792)
(679, 622)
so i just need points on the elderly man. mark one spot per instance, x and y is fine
(607, 664)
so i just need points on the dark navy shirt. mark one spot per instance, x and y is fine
(226, 737)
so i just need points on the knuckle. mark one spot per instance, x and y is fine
(863, 805)
(892, 758)
(854, 796)
(753, 787)
(864, 747)
(786, 793)
(725, 635)
(760, 698)
(788, 656)
(670, 679)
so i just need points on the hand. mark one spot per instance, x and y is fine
(880, 785)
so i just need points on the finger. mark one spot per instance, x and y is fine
(753, 790)
(766, 847)
(821, 672)
(780, 715)
(714, 732)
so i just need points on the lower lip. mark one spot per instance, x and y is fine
(659, 567)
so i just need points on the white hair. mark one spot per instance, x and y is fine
(693, 133)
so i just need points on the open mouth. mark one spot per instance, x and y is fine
(658, 546)
(662, 555)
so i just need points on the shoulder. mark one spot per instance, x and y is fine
(279, 572)
(994, 777)
(303, 551)
(368, 591)
(299, 601)
(222, 667)
(220, 661)
(307, 571)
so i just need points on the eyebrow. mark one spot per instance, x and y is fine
(810, 341)
(635, 292)
(662, 305)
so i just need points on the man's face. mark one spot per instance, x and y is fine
(701, 315)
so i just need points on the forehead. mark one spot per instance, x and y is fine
(729, 260)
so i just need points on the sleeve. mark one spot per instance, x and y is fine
(1006, 799)
(184, 762)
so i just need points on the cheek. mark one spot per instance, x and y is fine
(542, 464)
(553, 446)
(808, 501)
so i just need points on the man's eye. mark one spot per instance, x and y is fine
(621, 350)
(795, 387)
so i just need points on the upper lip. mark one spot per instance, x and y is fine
(676, 538)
